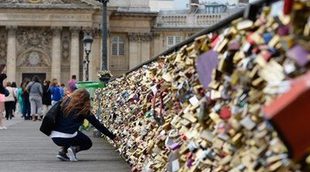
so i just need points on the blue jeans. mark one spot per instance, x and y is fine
(35, 105)
(80, 140)
(26, 110)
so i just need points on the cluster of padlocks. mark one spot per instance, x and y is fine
(201, 107)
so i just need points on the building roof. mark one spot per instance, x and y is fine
(50, 4)
(132, 12)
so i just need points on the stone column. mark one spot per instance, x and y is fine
(139, 48)
(134, 50)
(95, 56)
(11, 54)
(145, 47)
(156, 45)
(75, 52)
(56, 54)
(145, 51)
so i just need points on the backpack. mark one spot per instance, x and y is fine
(49, 121)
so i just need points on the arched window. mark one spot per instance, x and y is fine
(118, 46)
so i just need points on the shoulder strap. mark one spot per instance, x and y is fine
(30, 86)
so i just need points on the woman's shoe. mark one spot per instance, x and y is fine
(62, 156)
(72, 153)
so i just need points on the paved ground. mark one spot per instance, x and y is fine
(23, 148)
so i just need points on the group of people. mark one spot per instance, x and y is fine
(75, 107)
(32, 99)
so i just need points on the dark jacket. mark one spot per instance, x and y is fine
(25, 96)
(71, 123)
(3, 90)
(46, 98)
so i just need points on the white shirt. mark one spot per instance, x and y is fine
(57, 134)
(11, 96)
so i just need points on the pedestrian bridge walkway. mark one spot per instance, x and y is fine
(24, 148)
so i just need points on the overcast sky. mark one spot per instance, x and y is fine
(180, 4)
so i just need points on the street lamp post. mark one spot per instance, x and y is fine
(104, 29)
(87, 41)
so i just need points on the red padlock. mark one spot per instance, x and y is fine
(288, 5)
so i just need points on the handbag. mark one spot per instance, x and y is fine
(50, 118)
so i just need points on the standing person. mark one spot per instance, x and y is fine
(2, 98)
(66, 133)
(46, 98)
(35, 97)
(3, 92)
(9, 101)
(55, 92)
(72, 84)
(3, 77)
(19, 96)
(14, 86)
(62, 90)
(26, 102)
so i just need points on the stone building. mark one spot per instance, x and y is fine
(44, 37)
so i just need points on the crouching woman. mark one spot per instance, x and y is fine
(66, 133)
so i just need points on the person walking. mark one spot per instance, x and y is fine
(35, 97)
(2, 98)
(46, 98)
(66, 133)
(9, 101)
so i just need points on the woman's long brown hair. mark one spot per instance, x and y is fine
(2, 66)
(79, 101)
